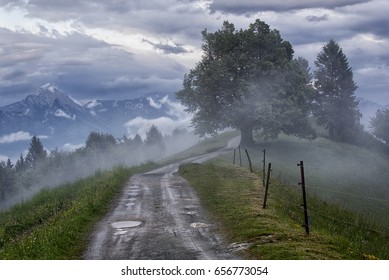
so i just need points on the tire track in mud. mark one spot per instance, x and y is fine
(158, 216)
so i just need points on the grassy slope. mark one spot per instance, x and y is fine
(234, 197)
(56, 223)
(355, 178)
(36, 229)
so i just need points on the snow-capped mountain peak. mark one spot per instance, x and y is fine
(49, 94)
(49, 87)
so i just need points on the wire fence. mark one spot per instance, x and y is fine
(293, 201)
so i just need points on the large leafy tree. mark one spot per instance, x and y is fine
(336, 107)
(380, 125)
(247, 79)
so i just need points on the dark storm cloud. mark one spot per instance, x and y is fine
(13, 75)
(254, 6)
(78, 63)
(82, 67)
(154, 16)
(317, 18)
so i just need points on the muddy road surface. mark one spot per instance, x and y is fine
(159, 217)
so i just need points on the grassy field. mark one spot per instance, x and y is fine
(355, 178)
(234, 197)
(342, 181)
(56, 223)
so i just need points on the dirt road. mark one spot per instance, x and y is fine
(159, 217)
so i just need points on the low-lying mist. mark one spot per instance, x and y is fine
(62, 167)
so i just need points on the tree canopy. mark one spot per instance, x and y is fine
(247, 79)
(336, 107)
(380, 125)
(154, 138)
(99, 141)
(36, 153)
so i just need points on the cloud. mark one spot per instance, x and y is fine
(100, 49)
(83, 67)
(178, 118)
(14, 75)
(317, 18)
(18, 136)
(68, 147)
(254, 6)
(3, 158)
(15, 137)
(168, 47)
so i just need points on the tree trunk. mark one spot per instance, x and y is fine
(246, 135)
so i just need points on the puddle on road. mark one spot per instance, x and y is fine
(191, 213)
(190, 207)
(120, 226)
(199, 225)
(120, 232)
(133, 193)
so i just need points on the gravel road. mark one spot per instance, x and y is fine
(159, 217)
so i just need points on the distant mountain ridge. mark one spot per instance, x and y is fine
(59, 119)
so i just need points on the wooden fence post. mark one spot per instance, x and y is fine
(264, 167)
(302, 183)
(248, 157)
(267, 185)
(240, 156)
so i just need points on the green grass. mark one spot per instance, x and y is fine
(234, 197)
(207, 145)
(356, 178)
(56, 223)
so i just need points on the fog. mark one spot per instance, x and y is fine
(62, 167)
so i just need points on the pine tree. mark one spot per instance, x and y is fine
(7, 178)
(36, 153)
(154, 138)
(335, 107)
(137, 141)
(380, 125)
(99, 141)
(20, 165)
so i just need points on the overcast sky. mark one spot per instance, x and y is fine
(122, 49)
